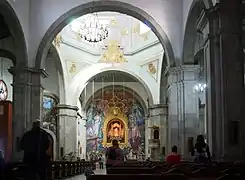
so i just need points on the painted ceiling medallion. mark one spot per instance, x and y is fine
(3, 91)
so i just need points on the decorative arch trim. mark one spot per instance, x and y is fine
(190, 29)
(97, 6)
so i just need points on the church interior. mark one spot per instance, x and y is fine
(151, 76)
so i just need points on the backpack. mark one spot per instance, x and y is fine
(112, 154)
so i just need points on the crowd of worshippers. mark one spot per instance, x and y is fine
(36, 145)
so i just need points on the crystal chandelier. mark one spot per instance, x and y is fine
(92, 31)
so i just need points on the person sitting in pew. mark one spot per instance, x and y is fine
(114, 155)
(174, 157)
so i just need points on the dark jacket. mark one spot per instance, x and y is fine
(35, 144)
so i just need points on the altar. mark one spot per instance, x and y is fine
(115, 127)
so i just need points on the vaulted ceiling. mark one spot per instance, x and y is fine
(135, 35)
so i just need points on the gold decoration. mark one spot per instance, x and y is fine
(115, 127)
(124, 32)
(57, 40)
(152, 68)
(113, 22)
(113, 54)
(136, 29)
(78, 36)
(73, 68)
(145, 36)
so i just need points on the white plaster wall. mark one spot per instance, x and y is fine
(168, 13)
(82, 59)
(22, 10)
(7, 77)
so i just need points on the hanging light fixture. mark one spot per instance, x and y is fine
(200, 87)
(92, 31)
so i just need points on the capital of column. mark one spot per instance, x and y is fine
(67, 110)
(27, 70)
(158, 109)
(183, 73)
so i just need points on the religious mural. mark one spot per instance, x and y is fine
(124, 118)
(49, 114)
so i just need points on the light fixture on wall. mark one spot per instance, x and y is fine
(200, 87)
(91, 30)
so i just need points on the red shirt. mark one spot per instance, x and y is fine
(173, 158)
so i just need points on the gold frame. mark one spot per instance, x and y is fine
(115, 113)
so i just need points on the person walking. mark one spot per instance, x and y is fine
(35, 144)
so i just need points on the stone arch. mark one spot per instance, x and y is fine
(60, 68)
(17, 33)
(190, 29)
(97, 6)
(75, 89)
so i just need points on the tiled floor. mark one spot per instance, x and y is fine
(82, 177)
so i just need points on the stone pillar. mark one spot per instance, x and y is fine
(225, 79)
(183, 121)
(27, 101)
(158, 118)
(67, 128)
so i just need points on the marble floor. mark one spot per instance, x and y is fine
(82, 177)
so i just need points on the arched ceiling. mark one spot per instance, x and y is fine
(135, 36)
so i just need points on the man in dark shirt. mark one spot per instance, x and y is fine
(35, 144)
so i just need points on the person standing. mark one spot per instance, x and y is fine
(101, 162)
(202, 152)
(114, 155)
(35, 144)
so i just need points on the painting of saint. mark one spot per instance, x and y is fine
(136, 128)
(115, 131)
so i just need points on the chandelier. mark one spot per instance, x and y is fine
(92, 31)
(200, 87)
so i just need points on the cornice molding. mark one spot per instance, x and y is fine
(86, 50)
(64, 106)
(16, 71)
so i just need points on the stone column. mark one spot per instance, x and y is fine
(158, 118)
(183, 121)
(225, 80)
(67, 128)
(27, 100)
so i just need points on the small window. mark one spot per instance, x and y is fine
(156, 134)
